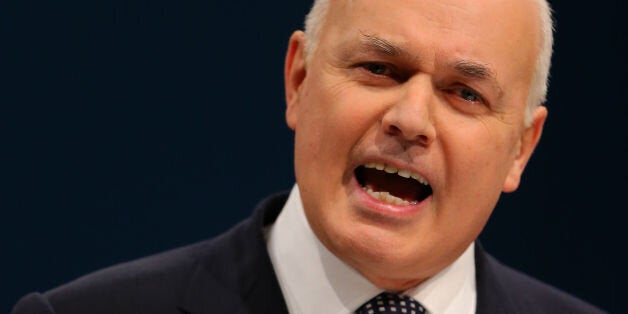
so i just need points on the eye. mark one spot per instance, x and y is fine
(468, 94)
(376, 68)
(380, 72)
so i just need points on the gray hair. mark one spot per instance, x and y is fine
(315, 20)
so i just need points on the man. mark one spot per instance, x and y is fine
(410, 119)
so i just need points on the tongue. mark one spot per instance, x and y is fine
(380, 181)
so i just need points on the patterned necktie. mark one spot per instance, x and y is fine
(390, 303)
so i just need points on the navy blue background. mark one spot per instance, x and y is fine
(132, 127)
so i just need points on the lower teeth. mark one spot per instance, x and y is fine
(387, 197)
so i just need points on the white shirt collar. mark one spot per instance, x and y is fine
(313, 280)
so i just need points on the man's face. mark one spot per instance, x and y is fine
(434, 93)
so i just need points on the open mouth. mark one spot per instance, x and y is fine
(391, 185)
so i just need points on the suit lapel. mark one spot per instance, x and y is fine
(491, 293)
(235, 274)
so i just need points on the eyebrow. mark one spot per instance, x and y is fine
(372, 42)
(474, 70)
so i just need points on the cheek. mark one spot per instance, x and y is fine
(478, 155)
(336, 115)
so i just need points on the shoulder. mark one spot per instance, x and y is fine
(165, 282)
(522, 292)
(118, 288)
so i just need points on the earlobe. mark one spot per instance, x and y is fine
(294, 75)
(528, 141)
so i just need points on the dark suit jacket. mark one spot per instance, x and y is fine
(233, 274)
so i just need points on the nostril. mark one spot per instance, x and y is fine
(424, 139)
(394, 130)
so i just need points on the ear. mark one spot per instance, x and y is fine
(527, 143)
(294, 75)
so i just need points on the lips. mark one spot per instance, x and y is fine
(392, 185)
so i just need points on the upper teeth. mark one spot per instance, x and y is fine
(400, 172)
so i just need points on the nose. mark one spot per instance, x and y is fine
(410, 117)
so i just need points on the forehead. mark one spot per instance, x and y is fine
(474, 17)
(503, 34)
